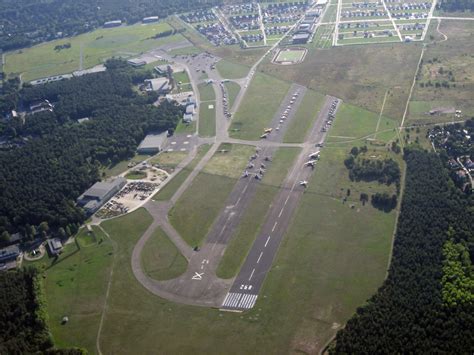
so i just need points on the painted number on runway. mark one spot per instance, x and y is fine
(197, 276)
(245, 287)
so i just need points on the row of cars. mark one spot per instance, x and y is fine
(331, 114)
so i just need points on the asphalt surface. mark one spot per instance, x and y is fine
(244, 291)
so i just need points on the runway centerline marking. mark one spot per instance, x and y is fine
(251, 275)
(260, 256)
(268, 239)
(281, 212)
(274, 226)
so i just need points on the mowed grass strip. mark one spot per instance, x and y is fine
(206, 92)
(305, 117)
(254, 216)
(196, 210)
(233, 90)
(125, 41)
(170, 188)
(207, 119)
(161, 260)
(168, 160)
(75, 286)
(230, 70)
(260, 103)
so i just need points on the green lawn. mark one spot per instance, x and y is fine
(305, 117)
(255, 214)
(182, 77)
(135, 175)
(207, 119)
(290, 55)
(161, 260)
(206, 92)
(122, 166)
(170, 188)
(75, 287)
(185, 127)
(230, 70)
(260, 103)
(126, 41)
(233, 90)
(168, 160)
(230, 160)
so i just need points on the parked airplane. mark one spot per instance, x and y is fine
(268, 130)
(304, 183)
(245, 174)
(265, 135)
(258, 177)
(310, 163)
(314, 155)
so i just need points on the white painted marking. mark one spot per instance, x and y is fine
(274, 226)
(251, 275)
(189, 136)
(170, 150)
(185, 142)
(173, 143)
(183, 149)
(197, 276)
(225, 299)
(259, 257)
(286, 201)
(268, 239)
(281, 212)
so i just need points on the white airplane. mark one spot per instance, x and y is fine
(265, 135)
(250, 166)
(314, 155)
(304, 183)
(310, 163)
(258, 177)
(245, 174)
(268, 130)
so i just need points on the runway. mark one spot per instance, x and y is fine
(244, 291)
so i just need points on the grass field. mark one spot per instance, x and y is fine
(290, 55)
(305, 117)
(168, 160)
(445, 62)
(75, 287)
(122, 166)
(170, 188)
(255, 214)
(260, 103)
(206, 92)
(207, 119)
(230, 70)
(135, 175)
(161, 260)
(185, 127)
(181, 77)
(196, 210)
(344, 72)
(233, 90)
(126, 41)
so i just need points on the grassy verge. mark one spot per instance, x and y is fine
(185, 127)
(229, 70)
(255, 214)
(305, 116)
(260, 103)
(161, 260)
(233, 90)
(122, 166)
(207, 119)
(206, 92)
(170, 188)
(198, 207)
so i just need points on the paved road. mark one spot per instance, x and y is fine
(244, 291)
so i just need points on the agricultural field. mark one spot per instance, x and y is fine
(446, 79)
(195, 211)
(264, 96)
(165, 193)
(94, 47)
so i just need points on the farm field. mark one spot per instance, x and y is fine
(304, 118)
(264, 96)
(170, 188)
(161, 260)
(196, 210)
(126, 41)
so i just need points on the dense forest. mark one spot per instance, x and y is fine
(59, 158)
(26, 22)
(456, 5)
(426, 303)
(23, 328)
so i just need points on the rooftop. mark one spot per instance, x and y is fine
(152, 141)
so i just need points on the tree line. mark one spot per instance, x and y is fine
(27, 22)
(410, 313)
(60, 158)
